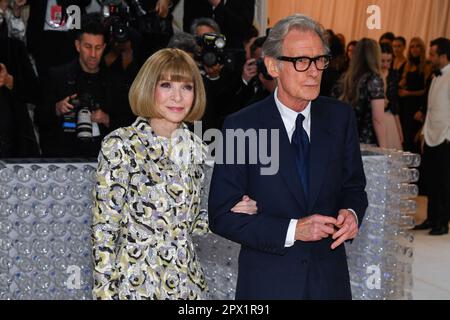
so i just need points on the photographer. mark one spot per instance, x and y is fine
(200, 27)
(256, 82)
(78, 98)
(156, 26)
(220, 80)
(123, 59)
(235, 17)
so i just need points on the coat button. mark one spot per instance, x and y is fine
(304, 261)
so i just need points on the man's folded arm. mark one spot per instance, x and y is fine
(353, 195)
(261, 231)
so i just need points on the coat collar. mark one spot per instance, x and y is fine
(321, 140)
(183, 148)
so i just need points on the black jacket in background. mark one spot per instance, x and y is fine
(49, 48)
(16, 128)
(67, 80)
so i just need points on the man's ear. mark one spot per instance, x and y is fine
(77, 45)
(272, 66)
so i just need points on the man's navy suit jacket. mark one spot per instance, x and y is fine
(307, 270)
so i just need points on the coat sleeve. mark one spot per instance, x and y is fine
(109, 199)
(353, 193)
(262, 232)
(199, 226)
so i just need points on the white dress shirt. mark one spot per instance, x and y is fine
(289, 117)
(437, 122)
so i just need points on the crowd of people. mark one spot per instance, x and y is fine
(53, 71)
(53, 67)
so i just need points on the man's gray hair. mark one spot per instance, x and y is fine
(274, 44)
(204, 22)
(185, 42)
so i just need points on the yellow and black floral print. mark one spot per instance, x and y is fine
(147, 207)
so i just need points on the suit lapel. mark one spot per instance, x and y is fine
(287, 168)
(320, 149)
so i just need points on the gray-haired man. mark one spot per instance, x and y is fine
(292, 248)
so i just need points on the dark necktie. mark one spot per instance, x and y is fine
(437, 73)
(301, 146)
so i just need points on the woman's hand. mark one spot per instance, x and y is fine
(246, 205)
(403, 93)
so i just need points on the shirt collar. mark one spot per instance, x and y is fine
(288, 115)
(445, 69)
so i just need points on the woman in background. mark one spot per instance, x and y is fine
(399, 47)
(412, 92)
(362, 86)
(394, 134)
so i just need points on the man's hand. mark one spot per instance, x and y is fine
(100, 116)
(348, 228)
(17, 7)
(6, 79)
(269, 85)
(250, 70)
(246, 205)
(64, 106)
(419, 116)
(162, 8)
(120, 49)
(214, 71)
(314, 228)
(20, 3)
(214, 3)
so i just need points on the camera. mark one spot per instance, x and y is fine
(116, 20)
(121, 15)
(261, 67)
(79, 118)
(119, 29)
(212, 49)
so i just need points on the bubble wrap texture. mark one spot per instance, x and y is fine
(45, 218)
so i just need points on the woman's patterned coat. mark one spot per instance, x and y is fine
(147, 207)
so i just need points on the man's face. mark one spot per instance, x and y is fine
(434, 57)
(296, 89)
(90, 48)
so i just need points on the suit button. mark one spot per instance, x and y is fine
(304, 261)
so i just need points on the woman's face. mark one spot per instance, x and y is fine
(386, 61)
(174, 99)
(350, 50)
(415, 49)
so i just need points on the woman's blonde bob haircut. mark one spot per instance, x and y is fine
(170, 65)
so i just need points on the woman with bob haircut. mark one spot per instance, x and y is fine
(147, 195)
